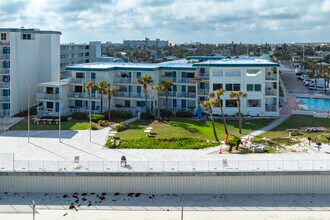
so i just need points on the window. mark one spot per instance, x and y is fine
(217, 86)
(233, 73)
(257, 87)
(78, 103)
(217, 72)
(253, 103)
(50, 105)
(253, 72)
(253, 87)
(233, 87)
(26, 37)
(202, 70)
(3, 36)
(249, 87)
(78, 88)
(231, 103)
(79, 75)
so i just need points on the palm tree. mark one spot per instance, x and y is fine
(217, 94)
(110, 92)
(89, 86)
(145, 81)
(208, 105)
(158, 88)
(101, 88)
(238, 95)
(167, 84)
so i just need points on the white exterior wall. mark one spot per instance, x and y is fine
(194, 183)
(243, 80)
(31, 62)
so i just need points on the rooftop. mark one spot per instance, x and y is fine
(31, 30)
(182, 64)
(55, 83)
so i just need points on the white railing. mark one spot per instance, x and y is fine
(187, 80)
(4, 112)
(81, 95)
(170, 94)
(166, 166)
(81, 80)
(271, 92)
(51, 97)
(203, 91)
(4, 84)
(4, 99)
(186, 94)
(271, 108)
(165, 78)
(4, 56)
(123, 94)
(85, 110)
(4, 71)
(122, 80)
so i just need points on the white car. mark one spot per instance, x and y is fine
(302, 77)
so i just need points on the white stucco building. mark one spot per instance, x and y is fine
(27, 57)
(79, 53)
(192, 82)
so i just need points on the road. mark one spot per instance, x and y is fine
(290, 80)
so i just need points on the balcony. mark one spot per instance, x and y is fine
(187, 80)
(4, 71)
(4, 112)
(81, 95)
(4, 98)
(85, 110)
(187, 94)
(170, 94)
(4, 43)
(122, 80)
(202, 77)
(81, 81)
(164, 78)
(203, 91)
(4, 85)
(271, 92)
(271, 108)
(4, 56)
(123, 94)
(49, 97)
(271, 76)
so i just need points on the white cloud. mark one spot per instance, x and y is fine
(175, 20)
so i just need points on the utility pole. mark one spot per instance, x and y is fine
(28, 113)
(34, 209)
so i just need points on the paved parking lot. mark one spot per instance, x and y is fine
(290, 79)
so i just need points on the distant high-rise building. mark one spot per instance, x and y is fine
(79, 53)
(27, 57)
(145, 43)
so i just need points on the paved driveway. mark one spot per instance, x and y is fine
(290, 80)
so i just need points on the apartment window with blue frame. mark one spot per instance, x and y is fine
(174, 103)
(93, 75)
(6, 92)
(202, 70)
(3, 36)
(5, 50)
(6, 105)
(138, 75)
(183, 104)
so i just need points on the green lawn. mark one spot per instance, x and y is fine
(296, 122)
(67, 125)
(183, 127)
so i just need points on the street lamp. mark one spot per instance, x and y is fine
(318, 145)
(34, 209)
(28, 113)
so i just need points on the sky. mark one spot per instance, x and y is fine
(178, 21)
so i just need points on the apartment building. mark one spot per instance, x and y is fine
(145, 43)
(192, 82)
(79, 53)
(27, 57)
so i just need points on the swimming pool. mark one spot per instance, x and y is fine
(313, 104)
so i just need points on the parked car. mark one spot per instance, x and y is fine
(302, 77)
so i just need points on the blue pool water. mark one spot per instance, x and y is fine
(314, 104)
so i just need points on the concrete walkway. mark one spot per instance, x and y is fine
(269, 127)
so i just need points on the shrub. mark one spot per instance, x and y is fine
(270, 150)
(79, 115)
(165, 113)
(97, 117)
(147, 115)
(233, 141)
(184, 114)
(102, 123)
(118, 114)
(94, 126)
(120, 127)
(164, 143)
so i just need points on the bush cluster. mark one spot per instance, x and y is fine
(165, 113)
(120, 126)
(118, 114)
(79, 115)
(147, 115)
(184, 114)
(97, 117)
(163, 143)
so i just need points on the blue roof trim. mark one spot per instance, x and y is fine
(29, 31)
(237, 65)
